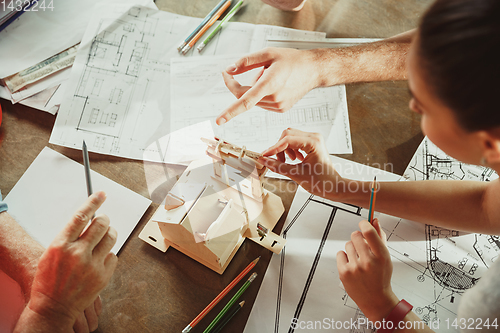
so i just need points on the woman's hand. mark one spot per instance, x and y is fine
(315, 172)
(365, 269)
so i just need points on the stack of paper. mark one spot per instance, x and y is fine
(42, 44)
(130, 89)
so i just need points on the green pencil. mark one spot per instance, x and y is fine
(228, 317)
(230, 303)
(219, 27)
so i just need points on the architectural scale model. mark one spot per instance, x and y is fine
(215, 205)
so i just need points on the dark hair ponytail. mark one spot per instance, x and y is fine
(459, 49)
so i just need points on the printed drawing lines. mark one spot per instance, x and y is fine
(431, 163)
(119, 51)
(307, 284)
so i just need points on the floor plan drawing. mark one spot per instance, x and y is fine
(120, 53)
(429, 162)
(118, 95)
(301, 286)
(433, 266)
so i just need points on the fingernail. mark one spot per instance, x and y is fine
(221, 121)
(101, 195)
(231, 68)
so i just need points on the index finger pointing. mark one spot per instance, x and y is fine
(249, 99)
(71, 232)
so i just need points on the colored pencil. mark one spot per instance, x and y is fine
(229, 15)
(202, 24)
(200, 33)
(373, 196)
(220, 296)
(234, 310)
(230, 303)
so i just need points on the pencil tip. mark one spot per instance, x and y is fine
(256, 260)
(242, 303)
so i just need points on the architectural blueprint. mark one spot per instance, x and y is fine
(433, 266)
(118, 95)
(199, 94)
(430, 162)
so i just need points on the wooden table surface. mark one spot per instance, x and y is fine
(153, 291)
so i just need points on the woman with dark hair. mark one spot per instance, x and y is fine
(453, 70)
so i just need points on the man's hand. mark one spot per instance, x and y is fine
(72, 271)
(315, 173)
(288, 5)
(286, 76)
(365, 269)
(88, 320)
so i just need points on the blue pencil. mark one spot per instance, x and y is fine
(373, 196)
(205, 20)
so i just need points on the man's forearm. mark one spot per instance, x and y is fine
(380, 61)
(19, 253)
(461, 205)
(33, 322)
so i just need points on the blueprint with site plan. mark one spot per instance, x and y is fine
(433, 266)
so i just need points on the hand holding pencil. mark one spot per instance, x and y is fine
(365, 269)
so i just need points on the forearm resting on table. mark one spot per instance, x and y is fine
(462, 205)
(33, 322)
(19, 253)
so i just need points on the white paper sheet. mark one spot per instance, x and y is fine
(302, 282)
(199, 94)
(181, 146)
(38, 101)
(432, 266)
(118, 97)
(38, 35)
(54, 187)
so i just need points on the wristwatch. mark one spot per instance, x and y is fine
(395, 317)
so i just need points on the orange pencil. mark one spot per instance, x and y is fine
(200, 33)
(373, 196)
(220, 296)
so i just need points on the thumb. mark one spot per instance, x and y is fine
(277, 166)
